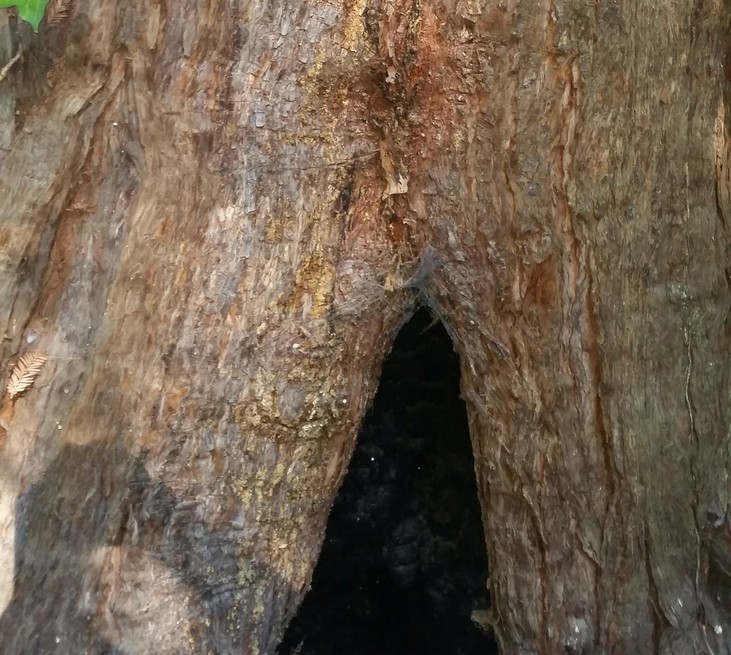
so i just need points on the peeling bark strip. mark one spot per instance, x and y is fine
(215, 215)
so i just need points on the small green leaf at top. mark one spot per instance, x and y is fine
(30, 11)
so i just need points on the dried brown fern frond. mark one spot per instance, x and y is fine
(25, 372)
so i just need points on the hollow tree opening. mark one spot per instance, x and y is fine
(403, 568)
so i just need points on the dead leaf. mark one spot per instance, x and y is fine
(25, 372)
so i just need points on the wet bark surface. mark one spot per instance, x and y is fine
(213, 216)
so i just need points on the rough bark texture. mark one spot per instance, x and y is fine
(213, 216)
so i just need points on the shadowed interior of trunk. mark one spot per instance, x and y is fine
(403, 568)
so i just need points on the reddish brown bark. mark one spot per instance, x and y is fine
(213, 217)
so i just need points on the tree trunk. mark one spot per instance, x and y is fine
(214, 216)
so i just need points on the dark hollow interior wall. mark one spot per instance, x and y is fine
(403, 566)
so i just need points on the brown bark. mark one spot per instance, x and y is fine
(213, 217)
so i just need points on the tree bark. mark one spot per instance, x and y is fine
(214, 216)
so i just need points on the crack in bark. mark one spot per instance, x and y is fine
(693, 449)
(654, 594)
(721, 181)
(543, 550)
(85, 167)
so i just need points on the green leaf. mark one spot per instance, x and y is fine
(30, 11)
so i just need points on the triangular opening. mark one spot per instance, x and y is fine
(403, 568)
